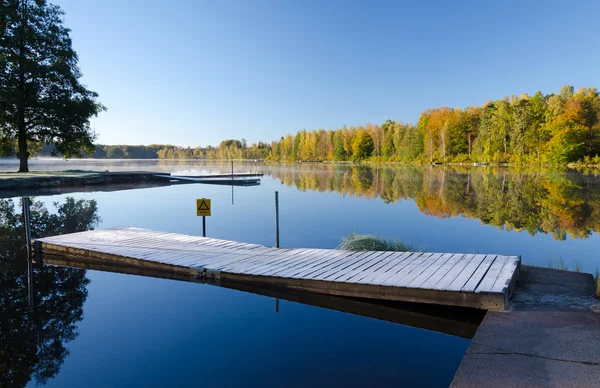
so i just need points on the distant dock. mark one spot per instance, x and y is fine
(50, 183)
(465, 280)
(218, 179)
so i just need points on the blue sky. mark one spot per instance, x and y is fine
(196, 72)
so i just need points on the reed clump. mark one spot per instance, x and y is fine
(597, 281)
(369, 242)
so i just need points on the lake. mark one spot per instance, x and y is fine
(94, 328)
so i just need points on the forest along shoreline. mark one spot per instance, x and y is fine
(556, 129)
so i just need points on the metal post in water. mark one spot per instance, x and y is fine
(203, 226)
(277, 219)
(277, 236)
(27, 224)
(30, 294)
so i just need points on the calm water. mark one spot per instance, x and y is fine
(137, 331)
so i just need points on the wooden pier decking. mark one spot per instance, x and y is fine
(467, 280)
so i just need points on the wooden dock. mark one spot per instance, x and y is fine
(452, 279)
(217, 180)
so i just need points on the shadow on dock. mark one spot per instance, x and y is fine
(456, 321)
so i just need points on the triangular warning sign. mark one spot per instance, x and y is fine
(203, 206)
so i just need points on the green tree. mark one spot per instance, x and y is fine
(41, 99)
(388, 149)
(522, 118)
(362, 145)
(338, 146)
(537, 134)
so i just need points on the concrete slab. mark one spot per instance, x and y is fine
(547, 289)
(551, 338)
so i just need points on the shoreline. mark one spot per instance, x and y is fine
(54, 182)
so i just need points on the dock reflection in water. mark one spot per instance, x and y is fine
(462, 322)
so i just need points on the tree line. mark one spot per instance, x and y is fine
(554, 129)
(540, 129)
(227, 149)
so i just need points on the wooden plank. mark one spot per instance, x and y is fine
(501, 284)
(248, 257)
(442, 271)
(326, 265)
(307, 263)
(241, 255)
(417, 262)
(247, 260)
(365, 267)
(436, 270)
(337, 266)
(405, 280)
(258, 261)
(491, 275)
(478, 274)
(459, 273)
(298, 259)
(392, 261)
(395, 268)
(349, 269)
(295, 258)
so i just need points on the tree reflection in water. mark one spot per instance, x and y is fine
(559, 203)
(32, 341)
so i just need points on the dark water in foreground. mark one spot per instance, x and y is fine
(94, 328)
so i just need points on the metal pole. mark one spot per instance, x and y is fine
(27, 225)
(277, 219)
(203, 226)
(30, 294)
(276, 305)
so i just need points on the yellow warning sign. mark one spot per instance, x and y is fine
(203, 207)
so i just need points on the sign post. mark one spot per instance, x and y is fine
(277, 219)
(203, 209)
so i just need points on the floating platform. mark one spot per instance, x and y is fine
(229, 176)
(451, 279)
(218, 180)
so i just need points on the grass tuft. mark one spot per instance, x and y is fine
(561, 264)
(597, 281)
(368, 242)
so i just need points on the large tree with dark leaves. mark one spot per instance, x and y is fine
(32, 341)
(41, 98)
